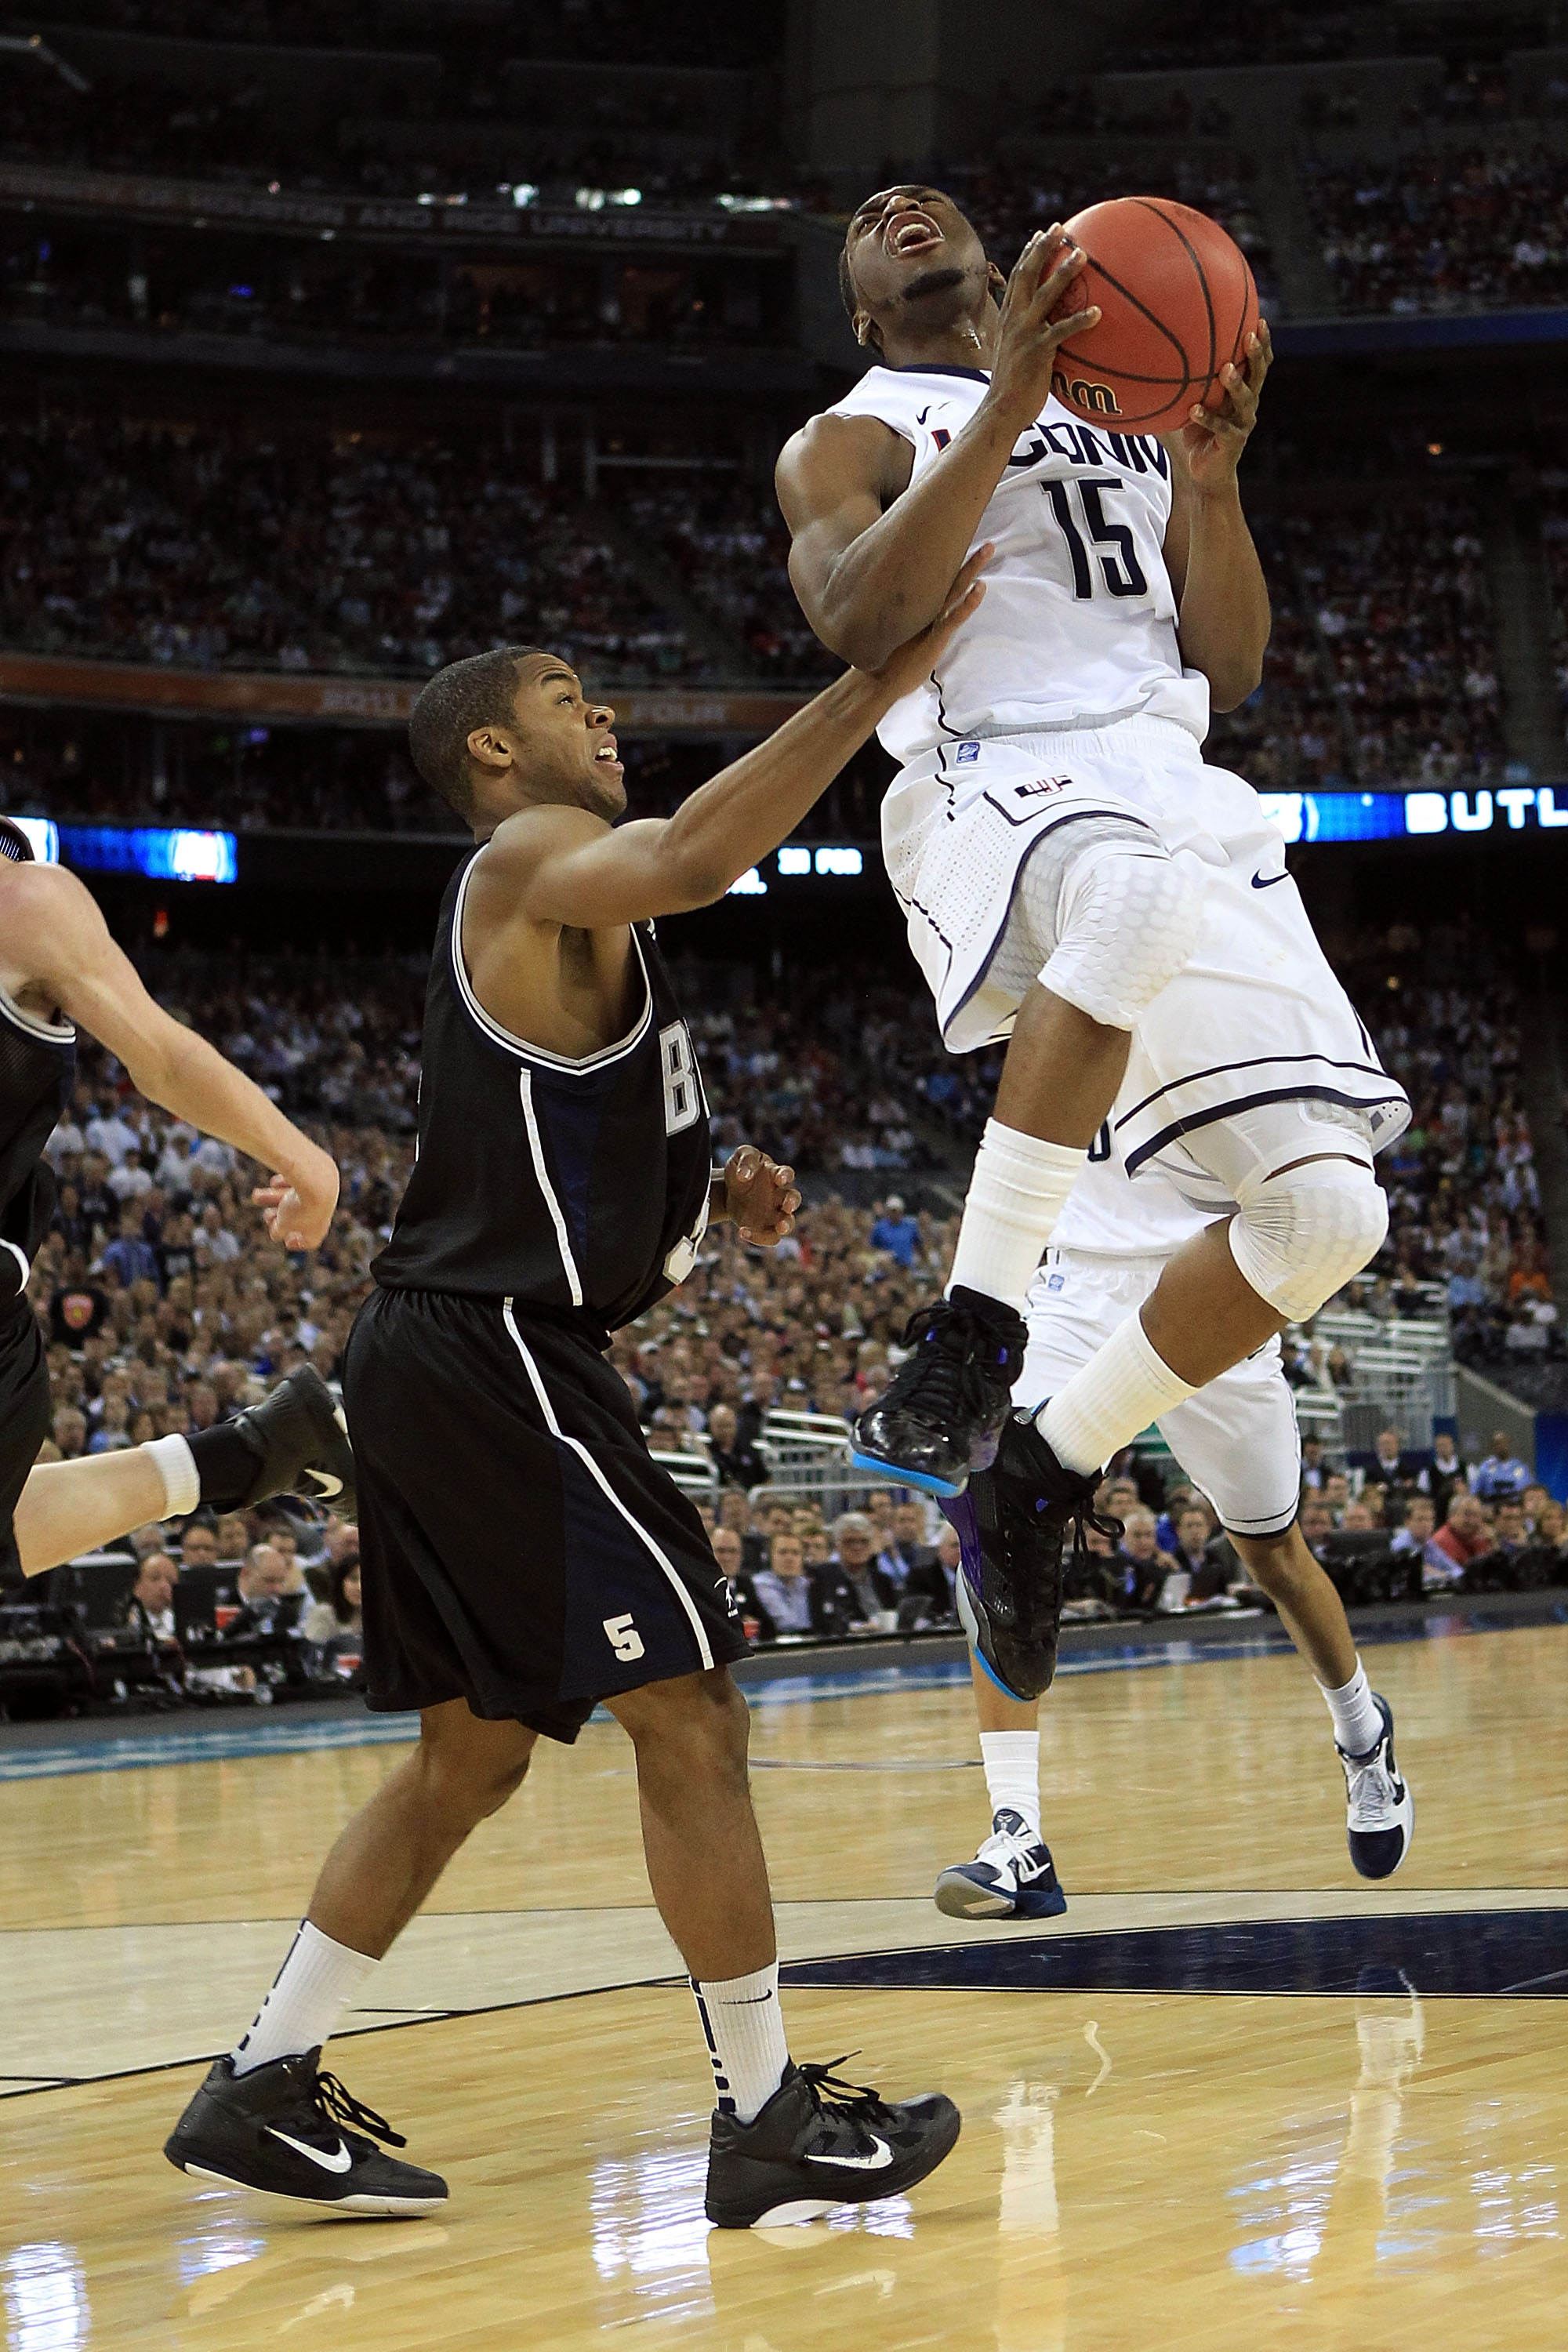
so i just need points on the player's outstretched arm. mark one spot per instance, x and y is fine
(55, 933)
(561, 866)
(872, 560)
(1223, 596)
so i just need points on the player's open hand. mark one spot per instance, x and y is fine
(913, 661)
(296, 1209)
(1208, 446)
(760, 1196)
(1028, 338)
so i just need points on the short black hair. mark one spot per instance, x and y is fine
(477, 692)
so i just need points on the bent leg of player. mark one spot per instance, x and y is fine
(479, 1423)
(53, 1511)
(1057, 907)
(1254, 1088)
(294, 1440)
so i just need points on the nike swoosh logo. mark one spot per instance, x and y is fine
(1026, 1871)
(1266, 881)
(325, 1482)
(340, 2162)
(923, 414)
(878, 2162)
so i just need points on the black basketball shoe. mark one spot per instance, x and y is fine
(938, 1419)
(805, 2153)
(294, 1442)
(1012, 1525)
(282, 2128)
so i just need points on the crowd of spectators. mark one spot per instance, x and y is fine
(727, 542)
(1463, 1194)
(165, 1305)
(460, 112)
(643, 31)
(1382, 667)
(1444, 230)
(347, 294)
(212, 549)
(1555, 540)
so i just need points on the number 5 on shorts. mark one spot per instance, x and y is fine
(624, 1639)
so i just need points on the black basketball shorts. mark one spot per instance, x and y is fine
(518, 1547)
(23, 1419)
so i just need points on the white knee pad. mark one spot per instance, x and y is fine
(1299, 1237)
(1129, 922)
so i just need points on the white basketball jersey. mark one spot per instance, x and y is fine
(1078, 623)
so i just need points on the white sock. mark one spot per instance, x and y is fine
(745, 2038)
(312, 1988)
(182, 1480)
(1358, 1725)
(1018, 1189)
(1012, 1761)
(1123, 1387)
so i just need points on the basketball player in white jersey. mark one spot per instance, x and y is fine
(1073, 874)
(1238, 1441)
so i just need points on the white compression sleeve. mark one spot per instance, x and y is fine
(1017, 1192)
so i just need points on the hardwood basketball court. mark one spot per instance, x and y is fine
(1234, 2098)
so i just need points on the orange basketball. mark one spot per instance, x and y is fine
(1177, 302)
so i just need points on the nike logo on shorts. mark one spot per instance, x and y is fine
(1266, 881)
(336, 2160)
(878, 2161)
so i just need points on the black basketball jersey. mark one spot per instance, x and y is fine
(564, 1185)
(38, 1063)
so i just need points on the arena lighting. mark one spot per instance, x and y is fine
(1400, 816)
(164, 853)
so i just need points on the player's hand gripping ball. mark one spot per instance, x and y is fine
(1177, 308)
(760, 1196)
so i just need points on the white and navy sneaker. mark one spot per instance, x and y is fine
(286, 2129)
(1379, 1818)
(818, 2143)
(1011, 1877)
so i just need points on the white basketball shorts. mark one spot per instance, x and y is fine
(1237, 1438)
(1252, 1036)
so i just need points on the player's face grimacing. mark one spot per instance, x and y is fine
(910, 248)
(569, 751)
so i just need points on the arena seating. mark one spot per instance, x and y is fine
(1447, 230)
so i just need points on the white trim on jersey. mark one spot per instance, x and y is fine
(704, 1649)
(551, 1200)
(500, 1036)
(50, 1033)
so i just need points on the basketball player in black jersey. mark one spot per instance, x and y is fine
(522, 1556)
(58, 966)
